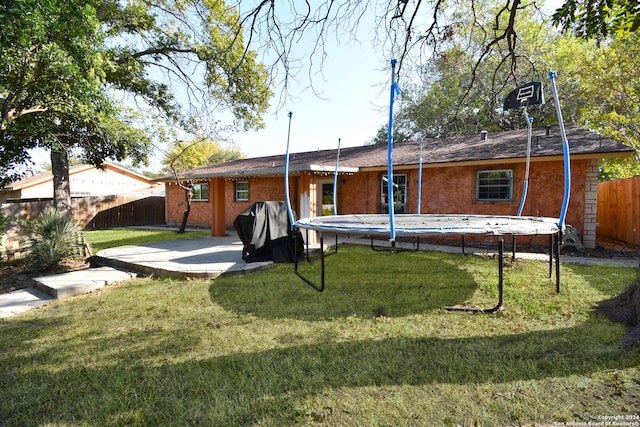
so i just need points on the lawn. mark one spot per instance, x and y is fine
(104, 239)
(375, 348)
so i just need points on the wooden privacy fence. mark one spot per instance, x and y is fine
(619, 209)
(99, 212)
(89, 213)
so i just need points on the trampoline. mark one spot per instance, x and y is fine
(418, 225)
(425, 225)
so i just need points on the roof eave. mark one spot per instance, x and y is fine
(272, 171)
(506, 160)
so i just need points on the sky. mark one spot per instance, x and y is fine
(349, 100)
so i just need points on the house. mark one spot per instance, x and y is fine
(84, 180)
(473, 174)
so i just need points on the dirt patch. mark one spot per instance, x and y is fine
(19, 275)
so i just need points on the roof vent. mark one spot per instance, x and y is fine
(484, 135)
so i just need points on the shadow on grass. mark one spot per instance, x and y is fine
(386, 284)
(244, 388)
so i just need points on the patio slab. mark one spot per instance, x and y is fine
(205, 257)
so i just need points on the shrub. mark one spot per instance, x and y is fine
(3, 221)
(55, 237)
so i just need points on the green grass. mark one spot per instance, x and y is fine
(104, 239)
(375, 348)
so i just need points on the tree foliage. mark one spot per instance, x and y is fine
(415, 31)
(611, 98)
(456, 95)
(598, 18)
(599, 88)
(70, 68)
(193, 154)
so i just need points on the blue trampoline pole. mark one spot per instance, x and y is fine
(394, 90)
(335, 182)
(420, 178)
(526, 173)
(286, 177)
(565, 151)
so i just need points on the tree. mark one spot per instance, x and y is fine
(69, 67)
(196, 153)
(600, 90)
(598, 18)
(414, 31)
(457, 96)
(611, 99)
(186, 155)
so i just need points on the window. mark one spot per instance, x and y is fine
(494, 185)
(399, 193)
(200, 192)
(327, 198)
(242, 191)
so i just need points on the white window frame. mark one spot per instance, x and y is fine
(492, 188)
(238, 198)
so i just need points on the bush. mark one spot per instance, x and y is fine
(3, 221)
(55, 237)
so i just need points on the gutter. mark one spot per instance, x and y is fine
(273, 171)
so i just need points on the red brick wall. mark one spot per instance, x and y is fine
(444, 190)
(263, 189)
(271, 188)
(453, 190)
(177, 203)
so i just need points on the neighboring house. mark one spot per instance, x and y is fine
(474, 174)
(85, 181)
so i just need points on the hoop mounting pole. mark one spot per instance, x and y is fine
(286, 177)
(395, 90)
(565, 151)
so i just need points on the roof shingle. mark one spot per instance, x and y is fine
(498, 145)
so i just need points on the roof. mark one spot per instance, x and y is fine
(47, 176)
(507, 146)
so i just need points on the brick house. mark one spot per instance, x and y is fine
(473, 174)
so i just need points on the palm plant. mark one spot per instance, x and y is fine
(54, 237)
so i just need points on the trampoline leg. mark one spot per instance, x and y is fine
(463, 246)
(558, 244)
(513, 248)
(393, 249)
(307, 243)
(551, 254)
(498, 306)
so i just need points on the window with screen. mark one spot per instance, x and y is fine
(242, 191)
(494, 185)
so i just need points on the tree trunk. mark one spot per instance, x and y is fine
(185, 215)
(61, 187)
(625, 308)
